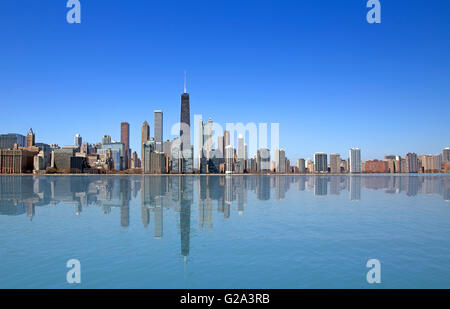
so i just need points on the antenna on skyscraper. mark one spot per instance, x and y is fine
(184, 81)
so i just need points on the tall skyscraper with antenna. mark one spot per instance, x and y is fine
(185, 121)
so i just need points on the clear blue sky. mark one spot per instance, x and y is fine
(329, 78)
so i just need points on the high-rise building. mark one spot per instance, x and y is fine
(437, 162)
(145, 136)
(221, 146)
(446, 154)
(205, 138)
(226, 138)
(77, 141)
(301, 165)
(411, 163)
(158, 123)
(125, 140)
(280, 161)
(185, 119)
(31, 139)
(7, 141)
(320, 162)
(335, 163)
(355, 160)
(240, 147)
(229, 151)
(263, 160)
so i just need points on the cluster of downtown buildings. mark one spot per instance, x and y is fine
(20, 154)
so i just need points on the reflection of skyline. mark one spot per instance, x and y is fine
(22, 194)
(157, 194)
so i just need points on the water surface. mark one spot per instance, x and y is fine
(225, 231)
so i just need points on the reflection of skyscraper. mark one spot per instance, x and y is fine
(185, 213)
(205, 213)
(355, 188)
(158, 220)
(263, 187)
(125, 198)
(320, 186)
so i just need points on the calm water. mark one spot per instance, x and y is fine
(225, 232)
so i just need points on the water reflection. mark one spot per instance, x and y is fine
(21, 194)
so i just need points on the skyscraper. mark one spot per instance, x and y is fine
(221, 146)
(205, 138)
(446, 154)
(263, 160)
(301, 165)
(185, 119)
(229, 159)
(240, 147)
(320, 162)
(125, 140)
(411, 163)
(280, 161)
(355, 160)
(78, 140)
(226, 138)
(335, 163)
(145, 136)
(158, 123)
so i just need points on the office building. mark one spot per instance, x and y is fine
(16, 161)
(335, 163)
(412, 163)
(221, 146)
(185, 119)
(7, 141)
(125, 140)
(226, 138)
(355, 160)
(301, 166)
(320, 162)
(78, 140)
(263, 160)
(376, 166)
(229, 155)
(158, 128)
(65, 160)
(280, 161)
(145, 136)
(446, 154)
(205, 139)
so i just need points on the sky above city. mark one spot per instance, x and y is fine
(330, 79)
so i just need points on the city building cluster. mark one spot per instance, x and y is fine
(21, 154)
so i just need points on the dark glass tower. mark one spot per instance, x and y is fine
(185, 121)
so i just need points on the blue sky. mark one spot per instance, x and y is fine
(329, 78)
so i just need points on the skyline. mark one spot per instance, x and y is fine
(320, 70)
